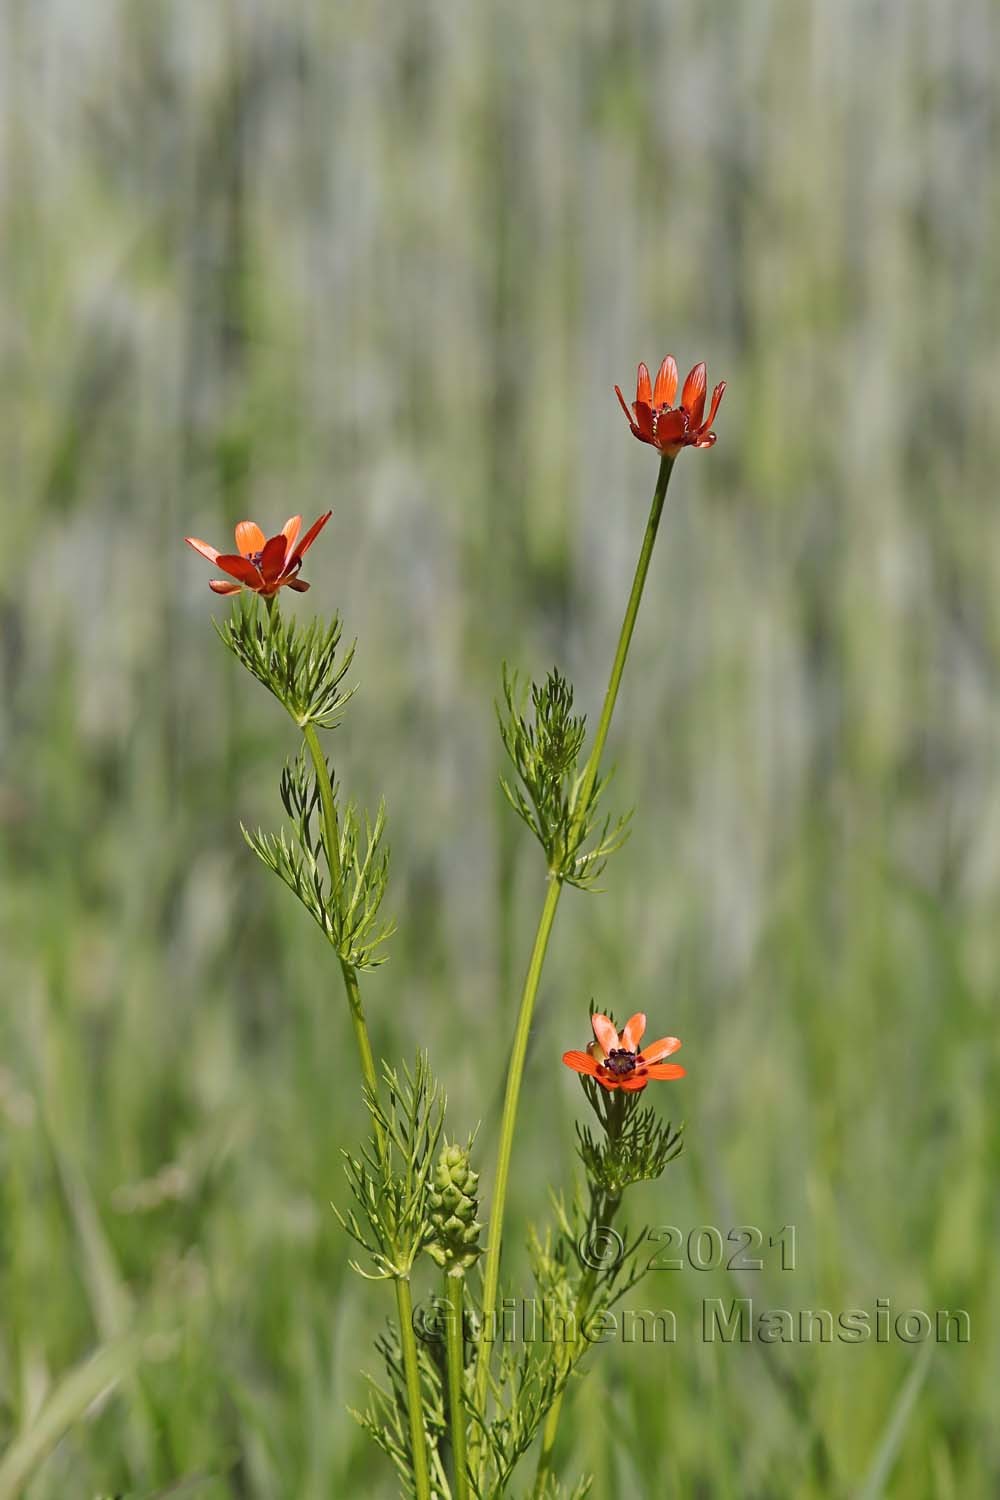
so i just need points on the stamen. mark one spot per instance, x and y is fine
(620, 1061)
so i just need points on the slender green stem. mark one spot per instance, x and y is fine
(491, 1274)
(549, 1432)
(625, 637)
(404, 1300)
(360, 1025)
(331, 842)
(331, 833)
(601, 1215)
(414, 1404)
(454, 1291)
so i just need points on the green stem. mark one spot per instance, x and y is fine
(331, 833)
(414, 1405)
(331, 842)
(360, 1025)
(624, 638)
(602, 1215)
(491, 1274)
(454, 1290)
(549, 1432)
(404, 1300)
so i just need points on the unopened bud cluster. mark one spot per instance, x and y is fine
(453, 1207)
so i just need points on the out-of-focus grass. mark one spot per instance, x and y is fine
(260, 259)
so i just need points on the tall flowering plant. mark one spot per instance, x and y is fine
(459, 1409)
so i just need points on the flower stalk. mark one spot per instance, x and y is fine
(414, 1404)
(633, 1145)
(454, 1292)
(331, 843)
(491, 1276)
(603, 1212)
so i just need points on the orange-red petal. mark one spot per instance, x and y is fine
(632, 1033)
(663, 1048)
(634, 1084)
(643, 424)
(717, 395)
(643, 386)
(239, 567)
(221, 586)
(625, 407)
(310, 536)
(249, 538)
(212, 553)
(298, 584)
(291, 529)
(665, 1070)
(581, 1062)
(604, 1032)
(693, 396)
(671, 428)
(272, 558)
(666, 383)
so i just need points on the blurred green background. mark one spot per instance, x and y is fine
(260, 258)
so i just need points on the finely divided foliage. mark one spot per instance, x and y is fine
(524, 1386)
(345, 901)
(385, 1417)
(392, 1183)
(641, 1151)
(300, 664)
(544, 749)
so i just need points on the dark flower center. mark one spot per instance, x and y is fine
(255, 558)
(620, 1062)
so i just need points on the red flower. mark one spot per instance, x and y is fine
(617, 1063)
(654, 419)
(262, 565)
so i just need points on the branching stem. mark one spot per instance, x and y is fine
(491, 1275)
